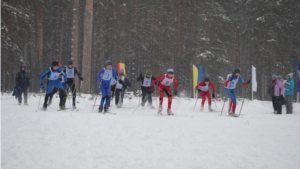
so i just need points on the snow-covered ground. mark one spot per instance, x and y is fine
(85, 139)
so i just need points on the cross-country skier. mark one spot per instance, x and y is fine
(105, 76)
(164, 87)
(203, 89)
(113, 84)
(54, 76)
(229, 86)
(70, 72)
(22, 81)
(147, 87)
(121, 87)
(54, 90)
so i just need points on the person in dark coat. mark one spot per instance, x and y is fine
(271, 92)
(122, 84)
(22, 81)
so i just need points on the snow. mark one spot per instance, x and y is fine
(143, 139)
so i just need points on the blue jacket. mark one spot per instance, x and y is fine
(289, 87)
(103, 72)
(48, 73)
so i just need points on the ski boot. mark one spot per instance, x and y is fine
(202, 107)
(50, 101)
(105, 109)
(62, 107)
(26, 104)
(210, 109)
(169, 112)
(73, 107)
(44, 107)
(160, 109)
(230, 113)
(100, 109)
(19, 103)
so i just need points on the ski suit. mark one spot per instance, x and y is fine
(105, 76)
(164, 87)
(205, 91)
(229, 86)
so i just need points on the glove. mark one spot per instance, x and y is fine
(249, 81)
(81, 78)
(42, 87)
(213, 96)
(199, 90)
(121, 81)
(175, 92)
(150, 90)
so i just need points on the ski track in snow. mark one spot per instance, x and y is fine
(143, 139)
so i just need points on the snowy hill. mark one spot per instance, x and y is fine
(85, 139)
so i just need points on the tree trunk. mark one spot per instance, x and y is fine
(75, 27)
(87, 46)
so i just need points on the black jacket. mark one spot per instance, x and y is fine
(126, 83)
(22, 79)
(271, 88)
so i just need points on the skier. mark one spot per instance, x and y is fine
(121, 87)
(278, 93)
(70, 72)
(147, 87)
(105, 76)
(288, 93)
(203, 89)
(55, 89)
(165, 81)
(22, 81)
(271, 92)
(229, 86)
(54, 76)
(113, 84)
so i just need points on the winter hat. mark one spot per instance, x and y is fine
(108, 62)
(290, 75)
(121, 72)
(274, 76)
(55, 63)
(148, 72)
(23, 65)
(279, 77)
(237, 70)
(60, 65)
(70, 62)
(170, 71)
(206, 79)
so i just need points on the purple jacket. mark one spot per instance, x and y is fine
(279, 88)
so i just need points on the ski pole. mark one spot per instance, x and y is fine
(243, 102)
(141, 103)
(223, 106)
(195, 103)
(40, 93)
(79, 92)
(95, 101)
(215, 103)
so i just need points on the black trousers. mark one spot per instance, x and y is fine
(144, 99)
(62, 97)
(23, 90)
(119, 96)
(274, 103)
(278, 106)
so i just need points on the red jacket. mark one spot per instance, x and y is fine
(164, 81)
(210, 84)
